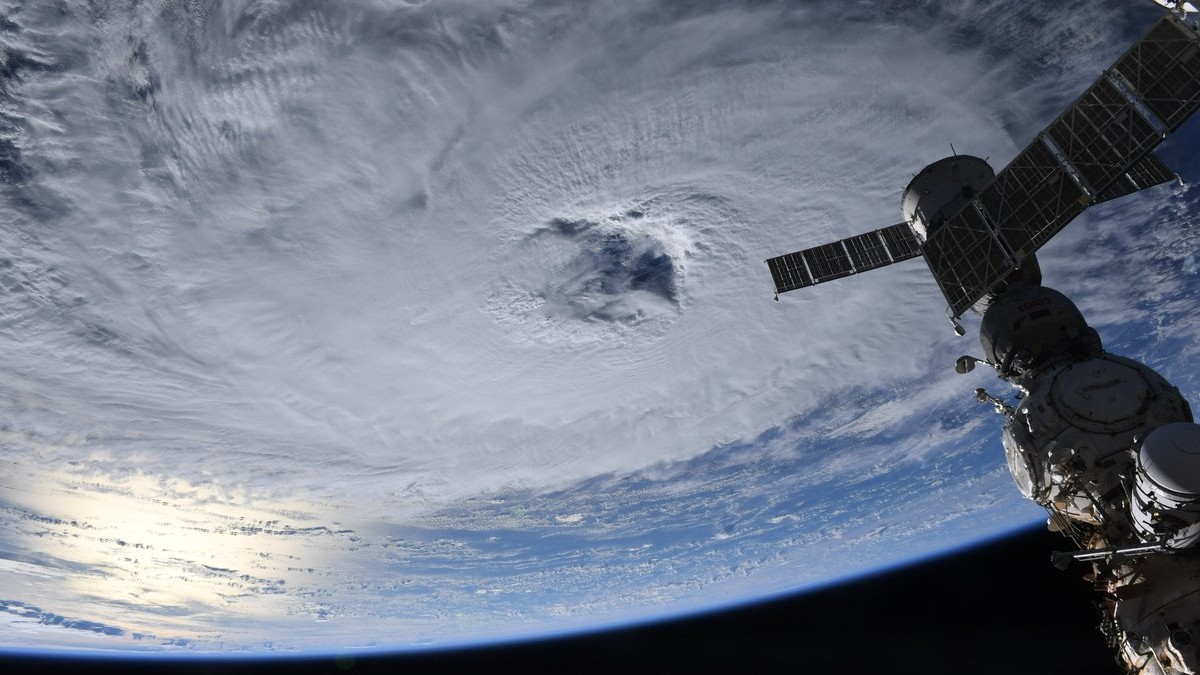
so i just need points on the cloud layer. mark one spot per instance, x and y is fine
(366, 263)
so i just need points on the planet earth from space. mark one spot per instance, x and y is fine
(382, 324)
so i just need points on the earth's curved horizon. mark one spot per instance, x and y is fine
(388, 325)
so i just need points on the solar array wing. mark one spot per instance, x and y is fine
(1163, 68)
(966, 258)
(1099, 148)
(1030, 200)
(1145, 174)
(844, 257)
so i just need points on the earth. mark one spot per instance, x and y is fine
(383, 325)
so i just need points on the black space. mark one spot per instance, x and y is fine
(1001, 608)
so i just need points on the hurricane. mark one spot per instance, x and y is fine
(385, 324)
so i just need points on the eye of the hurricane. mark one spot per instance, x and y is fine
(614, 275)
(582, 279)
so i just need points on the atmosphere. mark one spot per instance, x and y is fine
(386, 324)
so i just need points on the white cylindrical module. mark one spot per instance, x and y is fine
(941, 189)
(1166, 486)
(1078, 426)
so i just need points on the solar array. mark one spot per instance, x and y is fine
(1098, 149)
(843, 258)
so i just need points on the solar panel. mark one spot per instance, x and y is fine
(828, 262)
(843, 257)
(789, 272)
(1147, 173)
(1101, 135)
(1031, 199)
(1098, 149)
(901, 242)
(967, 258)
(1163, 69)
(867, 251)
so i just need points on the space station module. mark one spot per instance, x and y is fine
(1110, 449)
(1104, 443)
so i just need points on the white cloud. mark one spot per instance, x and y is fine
(332, 255)
(289, 255)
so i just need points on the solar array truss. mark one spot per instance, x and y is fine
(843, 258)
(1098, 149)
(1147, 173)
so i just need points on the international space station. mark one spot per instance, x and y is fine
(1104, 443)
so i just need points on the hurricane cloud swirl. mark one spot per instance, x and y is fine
(366, 271)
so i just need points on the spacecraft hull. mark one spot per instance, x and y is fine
(1103, 442)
